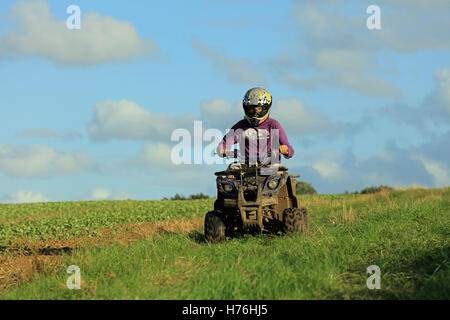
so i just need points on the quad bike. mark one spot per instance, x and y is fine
(254, 197)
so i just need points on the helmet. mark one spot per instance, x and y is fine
(257, 97)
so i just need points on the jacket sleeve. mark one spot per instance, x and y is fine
(284, 140)
(228, 140)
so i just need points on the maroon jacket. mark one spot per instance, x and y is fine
(257, 139)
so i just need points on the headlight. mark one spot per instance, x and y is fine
(227, 187)
(273, 184)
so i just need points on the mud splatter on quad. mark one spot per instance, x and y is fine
(254, 197)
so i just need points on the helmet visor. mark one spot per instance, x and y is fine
(254, 111)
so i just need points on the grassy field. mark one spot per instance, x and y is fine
(156, 250)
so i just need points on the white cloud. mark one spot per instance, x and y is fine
(328, 169)
(156, 155)
(336, 50)
(101, 38)
(405, 4)
(47, 133)
(430, 4)
(411, 30)
(220, 114)
(100, 194)
(328, 164)
(157, 158)
(23, 196)
(348, 69)
(122, 195)
(439, 99)
(127, 120)
(296, 118)
(437, 170)
(106, 194)
(41, 161)
(433, 112)
(154, 166)
(238, 70)
(335, 47)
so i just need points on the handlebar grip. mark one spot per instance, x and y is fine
(232, 153)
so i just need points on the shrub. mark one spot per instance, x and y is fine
(198, 196)
(178, 197)
(305, 188)
(375, 189)
(191, 197)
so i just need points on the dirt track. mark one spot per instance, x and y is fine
(20, 262)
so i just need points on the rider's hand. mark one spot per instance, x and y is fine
(284, 149)
(223, 153)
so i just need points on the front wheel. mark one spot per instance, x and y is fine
(214, 227)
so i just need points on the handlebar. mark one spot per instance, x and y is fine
(233, 154)
(264, 160)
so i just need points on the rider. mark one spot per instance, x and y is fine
(257, 130)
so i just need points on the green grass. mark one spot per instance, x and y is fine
(405, 233)
(65, 220)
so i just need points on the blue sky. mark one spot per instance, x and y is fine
(87, 114)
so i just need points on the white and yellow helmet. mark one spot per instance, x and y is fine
(257, 97)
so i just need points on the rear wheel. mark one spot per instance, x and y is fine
(214, 227)
(295, 219)
(304, 219)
